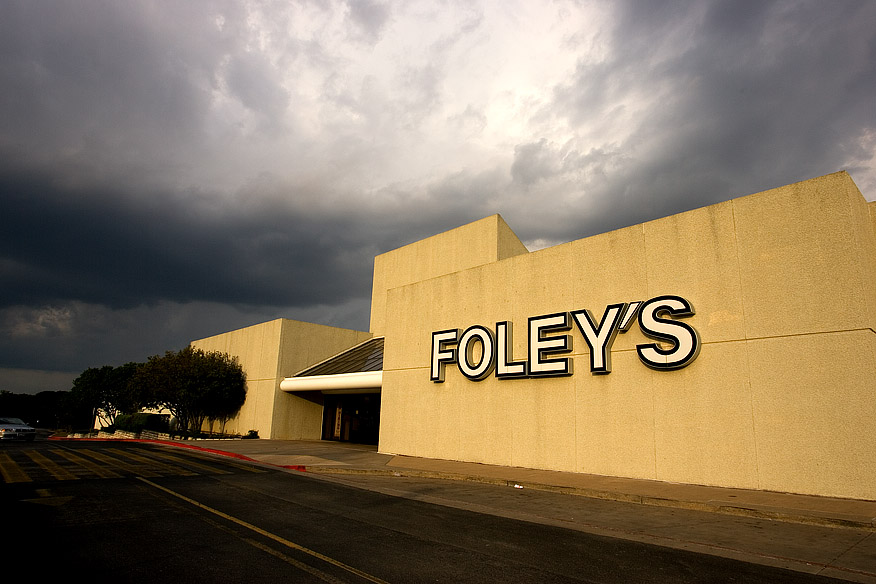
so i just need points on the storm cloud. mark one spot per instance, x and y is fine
(174, 170)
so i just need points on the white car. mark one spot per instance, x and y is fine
(15, 429)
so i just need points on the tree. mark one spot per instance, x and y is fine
(225, 390)
(108, 392)
(123, 394)
(193, 385)
(90, 390)
(47, 409)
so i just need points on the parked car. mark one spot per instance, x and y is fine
(15, 429)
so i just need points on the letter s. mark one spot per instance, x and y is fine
(684, 339)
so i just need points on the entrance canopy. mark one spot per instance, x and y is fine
(356, 370)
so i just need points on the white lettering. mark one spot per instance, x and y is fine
(684, 341)
(441, 354)
(476, 369)
(541, 346)
(478, 352)
(505, 367)
(599, 338)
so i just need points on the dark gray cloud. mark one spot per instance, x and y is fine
(100, 247)
(98, 89)
(368, 18)
(735, 98)
(170, 171)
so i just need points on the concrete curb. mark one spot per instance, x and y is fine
(736, 510)
(741, 511)
(177, 443)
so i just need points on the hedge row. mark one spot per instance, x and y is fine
(138, 422)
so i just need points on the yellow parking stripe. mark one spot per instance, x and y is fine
(115, 462)
(192, 463)
(55, 469)
(269, 535)
(100, 471)
(165, 468)
(11, 472)
(244, 467)
(225, 460)
(324, 576)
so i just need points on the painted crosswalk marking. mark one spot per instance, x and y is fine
(159, 466)
(101, 471)
(55, 469)
(189, 463)
(10, 471)
(120, 464)
(66, 463)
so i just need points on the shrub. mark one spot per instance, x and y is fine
(142, 421)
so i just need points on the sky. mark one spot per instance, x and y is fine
(174, 170)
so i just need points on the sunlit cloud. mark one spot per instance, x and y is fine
(173, 170)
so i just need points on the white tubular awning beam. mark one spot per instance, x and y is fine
(360, 380)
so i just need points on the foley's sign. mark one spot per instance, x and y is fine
(479, 351)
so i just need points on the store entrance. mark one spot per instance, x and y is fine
(351, 417)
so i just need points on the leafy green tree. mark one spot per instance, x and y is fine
(47, 409)
(14, 404)
(225, 390)
(193, 385)
(109, 391)
(90, 391)
(123, 395)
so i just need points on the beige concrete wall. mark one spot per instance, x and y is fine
(299, 417)
(257, 349)
(478, 243)
(780, 397)
(269, 352)
(872, 207)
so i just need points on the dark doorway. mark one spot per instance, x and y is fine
(351, 418)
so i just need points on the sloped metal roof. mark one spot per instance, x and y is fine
(367, 356)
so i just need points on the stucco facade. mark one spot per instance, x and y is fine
(779, 396)
(782, 395)
(269, 352)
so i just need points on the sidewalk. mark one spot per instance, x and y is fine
(821, 536)
(323, 457)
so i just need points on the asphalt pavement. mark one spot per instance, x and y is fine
(820, 535)
(326, 457)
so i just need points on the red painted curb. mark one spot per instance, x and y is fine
(180, 444)
(200, 448)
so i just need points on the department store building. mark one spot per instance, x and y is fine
(731, 345)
